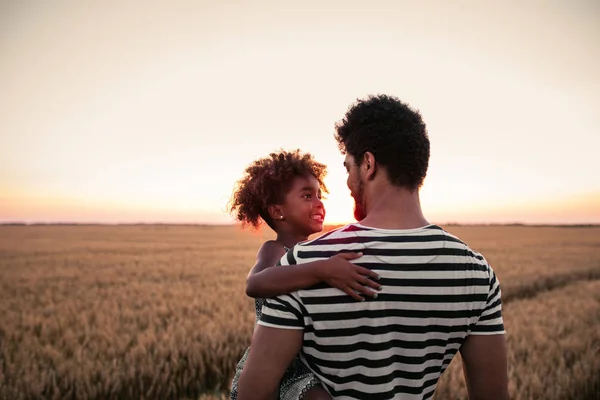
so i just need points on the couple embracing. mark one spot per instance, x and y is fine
(375, 309)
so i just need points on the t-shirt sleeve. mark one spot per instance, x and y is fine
(283, 312)
(288, 258)
(490, 321)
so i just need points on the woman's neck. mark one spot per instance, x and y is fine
(289, 240)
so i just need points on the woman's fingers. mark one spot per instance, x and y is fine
(350, 256)
(368, 282)
(352, 293)
(366, 272)
(363, 289)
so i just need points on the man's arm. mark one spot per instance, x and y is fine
(276, 341)
(484, 350)
(271, 352)
(485, 367)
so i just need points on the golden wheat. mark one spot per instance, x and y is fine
(160, 311)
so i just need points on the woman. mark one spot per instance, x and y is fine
(284, 190)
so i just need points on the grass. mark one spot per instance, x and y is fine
(104, 312)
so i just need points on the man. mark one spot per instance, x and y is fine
(438, 297)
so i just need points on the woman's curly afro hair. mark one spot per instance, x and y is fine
(267, 181)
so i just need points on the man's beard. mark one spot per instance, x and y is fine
(359, 210)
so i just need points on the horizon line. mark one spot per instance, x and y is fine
(525, 224)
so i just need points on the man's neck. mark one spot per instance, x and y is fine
(394, 208)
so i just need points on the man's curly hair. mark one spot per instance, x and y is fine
(267, 181)
(393, 132)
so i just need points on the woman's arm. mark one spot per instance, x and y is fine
(337, 271)
(268, 255)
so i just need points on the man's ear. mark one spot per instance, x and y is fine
(276, 212)
(369, 165)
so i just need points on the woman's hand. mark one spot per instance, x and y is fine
(350, 278)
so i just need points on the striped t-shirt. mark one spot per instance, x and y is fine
(436, 292)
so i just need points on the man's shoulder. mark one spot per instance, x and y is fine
(458, 242)
(355, 232)
(333, 234)
(323, 246)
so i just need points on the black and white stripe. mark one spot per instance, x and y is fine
(436, 292)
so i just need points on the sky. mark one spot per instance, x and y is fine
(137, 111)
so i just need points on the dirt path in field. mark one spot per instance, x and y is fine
(529, 290)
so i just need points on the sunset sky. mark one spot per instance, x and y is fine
(150, 111)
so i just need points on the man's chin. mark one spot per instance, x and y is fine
(359, 213)
(359, 210)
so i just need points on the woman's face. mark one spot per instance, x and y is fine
(303, 208)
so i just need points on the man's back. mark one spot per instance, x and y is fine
(436, 292)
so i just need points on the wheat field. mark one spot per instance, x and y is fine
(157, 311)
